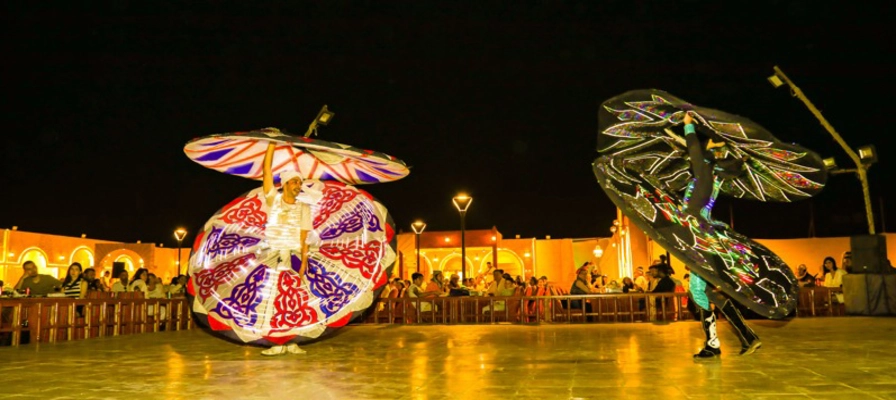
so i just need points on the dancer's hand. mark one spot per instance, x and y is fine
(687, 118)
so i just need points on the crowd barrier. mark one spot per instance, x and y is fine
(50, 320)
(592, 308)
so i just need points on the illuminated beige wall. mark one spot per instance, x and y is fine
(54, 253)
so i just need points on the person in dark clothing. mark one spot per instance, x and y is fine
(700, 196)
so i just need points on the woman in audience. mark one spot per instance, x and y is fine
(833, 276)
(71, 286)
(139, 282)
(628, 285)
(581, 286)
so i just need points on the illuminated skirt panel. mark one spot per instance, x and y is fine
(237, 291)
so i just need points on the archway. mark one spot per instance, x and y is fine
(84, 256)
(132, 261)
(508, 260)
(39, 258)
(451, 264)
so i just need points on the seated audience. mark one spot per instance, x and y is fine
(121, 285)
(138, 284)
(803, 277)
(36, 284)
(71, 285)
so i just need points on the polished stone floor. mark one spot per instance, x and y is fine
(823, 358)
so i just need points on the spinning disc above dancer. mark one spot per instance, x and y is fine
(667, 186)
(276, 268)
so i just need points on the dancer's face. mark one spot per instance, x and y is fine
(292, 188)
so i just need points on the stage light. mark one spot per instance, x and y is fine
(868, 154)
(775, 81)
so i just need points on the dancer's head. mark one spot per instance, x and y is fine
(291, 182)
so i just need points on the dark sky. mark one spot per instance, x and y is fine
(498, 102)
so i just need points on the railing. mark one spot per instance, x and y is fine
(531, 309)
(50, 320)
(593, 308)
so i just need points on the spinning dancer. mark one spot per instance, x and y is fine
(289, 221)
(699, 199)
(281, 266)
(289, 218)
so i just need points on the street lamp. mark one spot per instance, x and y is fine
(418, 227)
(179, 234)
(863, 160)
(462, 203)
(323, 118)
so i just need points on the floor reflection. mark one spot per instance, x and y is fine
(807, 358)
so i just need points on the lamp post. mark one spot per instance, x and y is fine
(866, 156)
(323, 118)
(179, 234)
(462, 203)
(418, 227)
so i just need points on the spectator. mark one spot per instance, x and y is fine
(107, 279)
(533, 282)
(122, 284)
(38, 284)
(846, 262)
(579, 287)
(520, 282)
(628, 286)
(154, 289)
(71, 285)
(497, 284)
(663, 284)
(803, 278)
(437, 283)
(178, 286)
(416, 291)
(138, 284)
(640, 280)
(507, 289)
(454, 282)
(90, 284)
(833, 276)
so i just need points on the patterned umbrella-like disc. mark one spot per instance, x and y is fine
(242, 154)
(237, 291)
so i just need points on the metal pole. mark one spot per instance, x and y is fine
(463, 245)
(418, 252)
(862, 170)
(178, 257)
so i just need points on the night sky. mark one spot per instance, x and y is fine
(498, 102)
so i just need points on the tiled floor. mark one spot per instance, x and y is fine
(824, 358)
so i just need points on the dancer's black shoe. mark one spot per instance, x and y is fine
(708, 352)
(751, 348)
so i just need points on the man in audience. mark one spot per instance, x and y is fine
(38, 284)
(803, 277)
(497, 284)
(846, 262)
(121, 285)
(640, 279)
